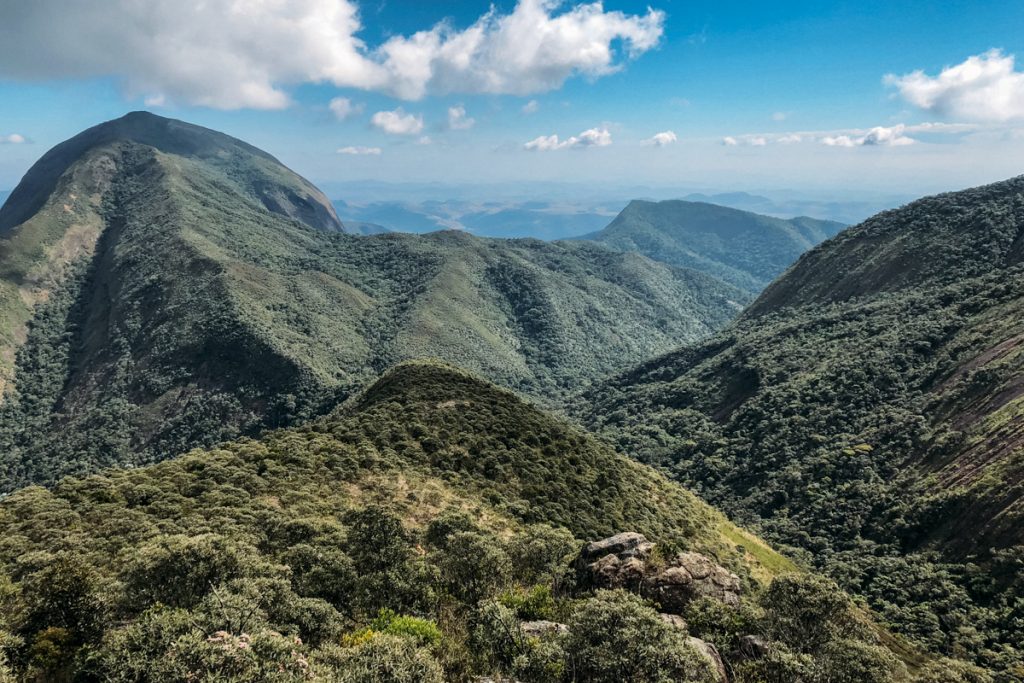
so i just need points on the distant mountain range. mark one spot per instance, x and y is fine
(743, 248)
(537, 219)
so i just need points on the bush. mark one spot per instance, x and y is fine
(806, 612)
(853, 661)
(615, 637)
(381, 659)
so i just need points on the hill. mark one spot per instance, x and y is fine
(867, 408)
(428, 529)
(745, 249)
(177, 287)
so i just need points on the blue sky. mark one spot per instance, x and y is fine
(765, 95)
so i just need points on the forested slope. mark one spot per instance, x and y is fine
(867, 409)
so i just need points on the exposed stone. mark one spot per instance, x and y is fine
(627, 544)
(542, 628)
(624, 561)
(710, 652)
(752, 647)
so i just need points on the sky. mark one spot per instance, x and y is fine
(828, 98)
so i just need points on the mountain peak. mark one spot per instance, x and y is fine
(258, 174)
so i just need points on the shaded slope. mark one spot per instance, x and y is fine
(154, 305)
(745, 249)
(868, 408)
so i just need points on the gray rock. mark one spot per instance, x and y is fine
(710, 652)
(623, 561)
(752, 647)
(542, 628)
(626, 544)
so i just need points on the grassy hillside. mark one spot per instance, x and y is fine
(867, 408)
(409, 532)
(155, 304)
(745, 249)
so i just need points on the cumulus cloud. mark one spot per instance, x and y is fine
(531, 107)
(730, 141)
(343, 108)
(397, 122)
(879, 136)
(594, 137)
(529, 50)
(229, 54)
(457, 119)
(662, 139)
(360, 151)
(984, 87)
(12, 139)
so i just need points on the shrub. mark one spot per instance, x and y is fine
(381, 659)
(615, 637)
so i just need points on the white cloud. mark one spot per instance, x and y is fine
(780, 116)
(12, 139)
(531, 107)
(425, 140)
(229, 54)
(527, 51)
(397, 122)
(879, 136)
(360, 151)
(662, 139)
(457, 119)
(343, 108)
(594, 137)
(984, 87)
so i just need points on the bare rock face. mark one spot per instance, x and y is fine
(625, 561)
(542, 629)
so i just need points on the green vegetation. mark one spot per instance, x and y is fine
(402, 539)
(154, 303)
(745, 249)
(866, 410)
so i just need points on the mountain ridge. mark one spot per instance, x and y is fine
(155, 304)
(743, 248)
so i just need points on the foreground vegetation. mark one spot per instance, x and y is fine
(403, 539)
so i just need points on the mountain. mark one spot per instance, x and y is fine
(745, 249)
(547, 220)
(4, 194)
(867, 408)
(358, 228)
(798, 203)
(432, 528)
(177, 287)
